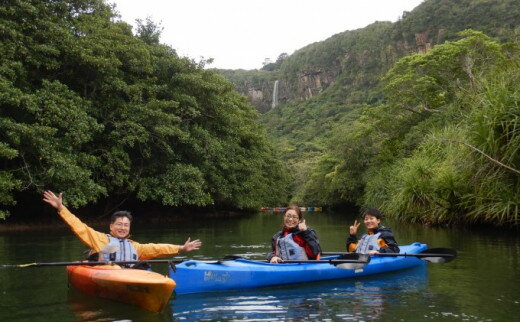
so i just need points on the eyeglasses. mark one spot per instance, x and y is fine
(123, 225)
(290, 216)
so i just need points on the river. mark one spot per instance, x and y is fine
(482, 284)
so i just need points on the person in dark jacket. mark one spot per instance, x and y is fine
(378, 239)
(296, 241)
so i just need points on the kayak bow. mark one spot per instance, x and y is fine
(198, 276)
(142, 288)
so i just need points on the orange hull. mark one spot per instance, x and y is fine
(142, 288)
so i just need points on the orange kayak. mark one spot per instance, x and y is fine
(142, 288)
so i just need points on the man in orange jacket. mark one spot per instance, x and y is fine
(116, 246)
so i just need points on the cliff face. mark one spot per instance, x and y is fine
(308, 83)
(351, 57)
(423, 42)
(260, 94)
(312, 80)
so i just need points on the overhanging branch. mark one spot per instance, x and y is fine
(482, 153)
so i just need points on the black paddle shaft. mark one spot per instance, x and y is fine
(340, 260)
(434, 255)
(90, 263)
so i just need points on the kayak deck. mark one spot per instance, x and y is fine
(142, 288)
(198, 276)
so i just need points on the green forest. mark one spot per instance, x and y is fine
(441, 147)
(93, 110)
(421, 121)
(102, 112)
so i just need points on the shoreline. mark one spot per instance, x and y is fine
(27, 224)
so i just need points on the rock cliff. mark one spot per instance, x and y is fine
(313, 80)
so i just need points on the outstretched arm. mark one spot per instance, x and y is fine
(95, 240)
(156, 250)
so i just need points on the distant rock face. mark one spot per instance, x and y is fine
(308, 84)
(314, 80)
(261, 95)
(255, 95)
(424, 43)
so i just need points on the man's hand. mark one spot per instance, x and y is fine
(53, 200)
(190, 245)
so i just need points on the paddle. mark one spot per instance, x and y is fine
(346, 261)
(434, 255)
(90, 263)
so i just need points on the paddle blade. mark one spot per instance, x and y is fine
(358, 261)
(439, 255)
(9, 266)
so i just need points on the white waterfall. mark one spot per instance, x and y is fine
(275, 95)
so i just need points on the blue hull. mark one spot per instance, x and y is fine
(198, 276)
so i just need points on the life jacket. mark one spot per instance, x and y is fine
(288, 249)
(368, 242)
(126, 251)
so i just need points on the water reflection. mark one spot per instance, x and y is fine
(338, 300)
(481, 285)
(89, 309)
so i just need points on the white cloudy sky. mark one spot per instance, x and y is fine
(243, 33)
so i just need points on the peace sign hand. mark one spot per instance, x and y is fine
(354, 227)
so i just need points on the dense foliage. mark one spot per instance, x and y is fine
(361, 57)
(443, 147)
(359, 139)
(92, 110)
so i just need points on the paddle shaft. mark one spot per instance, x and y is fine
(329, 261)
(96, 263)
(90, 263)
(364, 261)
(420, 255)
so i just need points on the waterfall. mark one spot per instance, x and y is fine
(275, 95)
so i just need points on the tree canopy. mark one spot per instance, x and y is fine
(90, 109)
(442, 147)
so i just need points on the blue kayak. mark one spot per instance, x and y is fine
(199, 276)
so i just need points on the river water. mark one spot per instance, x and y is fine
(482, 284)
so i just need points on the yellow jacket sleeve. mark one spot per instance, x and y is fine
(97, 240)
(92, 238)
(155, 250)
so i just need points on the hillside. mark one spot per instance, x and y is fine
(327, 88)
(314, 68)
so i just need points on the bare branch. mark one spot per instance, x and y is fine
(483, 153)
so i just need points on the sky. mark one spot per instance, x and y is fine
(242, 34)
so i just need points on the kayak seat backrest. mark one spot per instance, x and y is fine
(190, 263)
